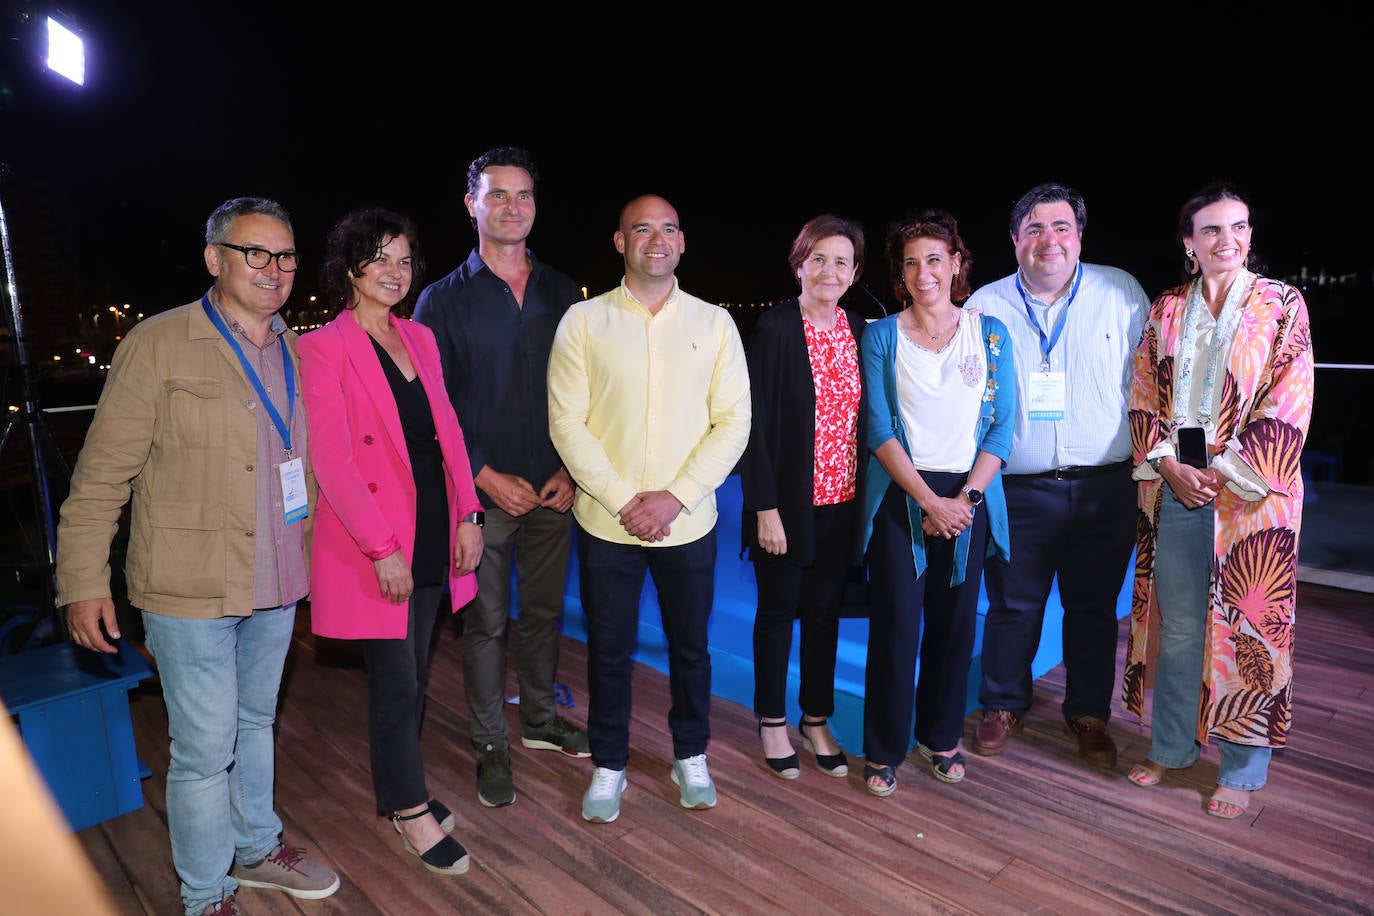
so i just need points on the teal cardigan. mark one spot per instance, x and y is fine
(993, 433)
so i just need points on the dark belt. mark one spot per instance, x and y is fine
(1079, 471)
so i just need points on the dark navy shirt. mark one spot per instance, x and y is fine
(495, 356)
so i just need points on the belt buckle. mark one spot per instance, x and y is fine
(1068, 472)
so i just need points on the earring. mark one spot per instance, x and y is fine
(1193, 267)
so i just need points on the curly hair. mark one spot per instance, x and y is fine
(355, 242)
(929, 224)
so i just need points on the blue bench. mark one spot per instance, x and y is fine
(72, 707)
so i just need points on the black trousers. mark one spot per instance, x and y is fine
(397, 676)
(788, 591)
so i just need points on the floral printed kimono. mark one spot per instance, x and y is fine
(1265, 407)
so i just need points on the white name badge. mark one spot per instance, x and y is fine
(293, 489)
(1046, 394)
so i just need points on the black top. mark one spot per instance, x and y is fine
(430, 564)
(778, 466)
(495, 355)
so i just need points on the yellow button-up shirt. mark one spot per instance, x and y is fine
(641, 402)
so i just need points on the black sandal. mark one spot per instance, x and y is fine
(446, 857)
(788, 767)
(886, 776)
(830, 764)
(942, 764)
(443, 815)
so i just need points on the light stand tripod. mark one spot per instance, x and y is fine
(40, 437)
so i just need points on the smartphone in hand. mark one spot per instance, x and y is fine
(1192, 446)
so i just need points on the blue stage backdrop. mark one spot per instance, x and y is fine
(732, 622)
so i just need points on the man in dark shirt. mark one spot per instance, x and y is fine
(494, 319)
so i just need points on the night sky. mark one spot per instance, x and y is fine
(748, 132)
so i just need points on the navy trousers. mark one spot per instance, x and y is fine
(1081, 531)
(611, 581)
(910, 613)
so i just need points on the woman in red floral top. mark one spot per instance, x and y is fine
(799, 477)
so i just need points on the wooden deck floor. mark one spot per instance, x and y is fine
(1031, 831)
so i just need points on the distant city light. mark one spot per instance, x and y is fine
(66, 55)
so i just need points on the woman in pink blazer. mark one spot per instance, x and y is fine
(397, 517)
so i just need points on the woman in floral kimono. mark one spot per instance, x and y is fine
(1220, 402)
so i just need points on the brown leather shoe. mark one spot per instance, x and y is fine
(993, 733)
(1095, 743)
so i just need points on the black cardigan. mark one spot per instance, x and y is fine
(776, 471)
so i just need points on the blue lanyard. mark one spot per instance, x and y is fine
(1047, 345)
(284, 429)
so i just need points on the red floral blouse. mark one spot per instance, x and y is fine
(835, 372)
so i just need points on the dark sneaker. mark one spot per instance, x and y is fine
(287, 869)
(227, 906)
(559, 735)
(495, 788)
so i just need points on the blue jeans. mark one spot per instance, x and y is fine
(1183, 575)
(219, 680)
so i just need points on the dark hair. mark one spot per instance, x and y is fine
(823, 227)
(930, 224)
(355, 242)
(217, 226)
(1205, 196)
(1049, 193)
(515, 156)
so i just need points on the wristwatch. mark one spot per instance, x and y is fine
(1154, 463)
(478, 518)
(975, 497)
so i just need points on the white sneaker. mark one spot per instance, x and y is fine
(694, 779)
(601, 803)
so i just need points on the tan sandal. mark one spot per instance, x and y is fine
(1147, 774)
(1228, 810)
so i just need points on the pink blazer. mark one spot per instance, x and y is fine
(366, 505)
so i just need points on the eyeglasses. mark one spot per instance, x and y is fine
(259, 258)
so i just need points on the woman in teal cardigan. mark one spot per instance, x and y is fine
(942, 388)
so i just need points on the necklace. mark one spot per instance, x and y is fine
(941, 335)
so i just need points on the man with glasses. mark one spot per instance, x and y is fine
(200, 424)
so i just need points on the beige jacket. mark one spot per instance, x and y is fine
(172, 428)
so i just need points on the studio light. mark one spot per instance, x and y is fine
(66, 52)
(66, 57)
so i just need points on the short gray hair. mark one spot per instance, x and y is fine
(217, 226)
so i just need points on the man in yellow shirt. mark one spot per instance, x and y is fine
(649, 410)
